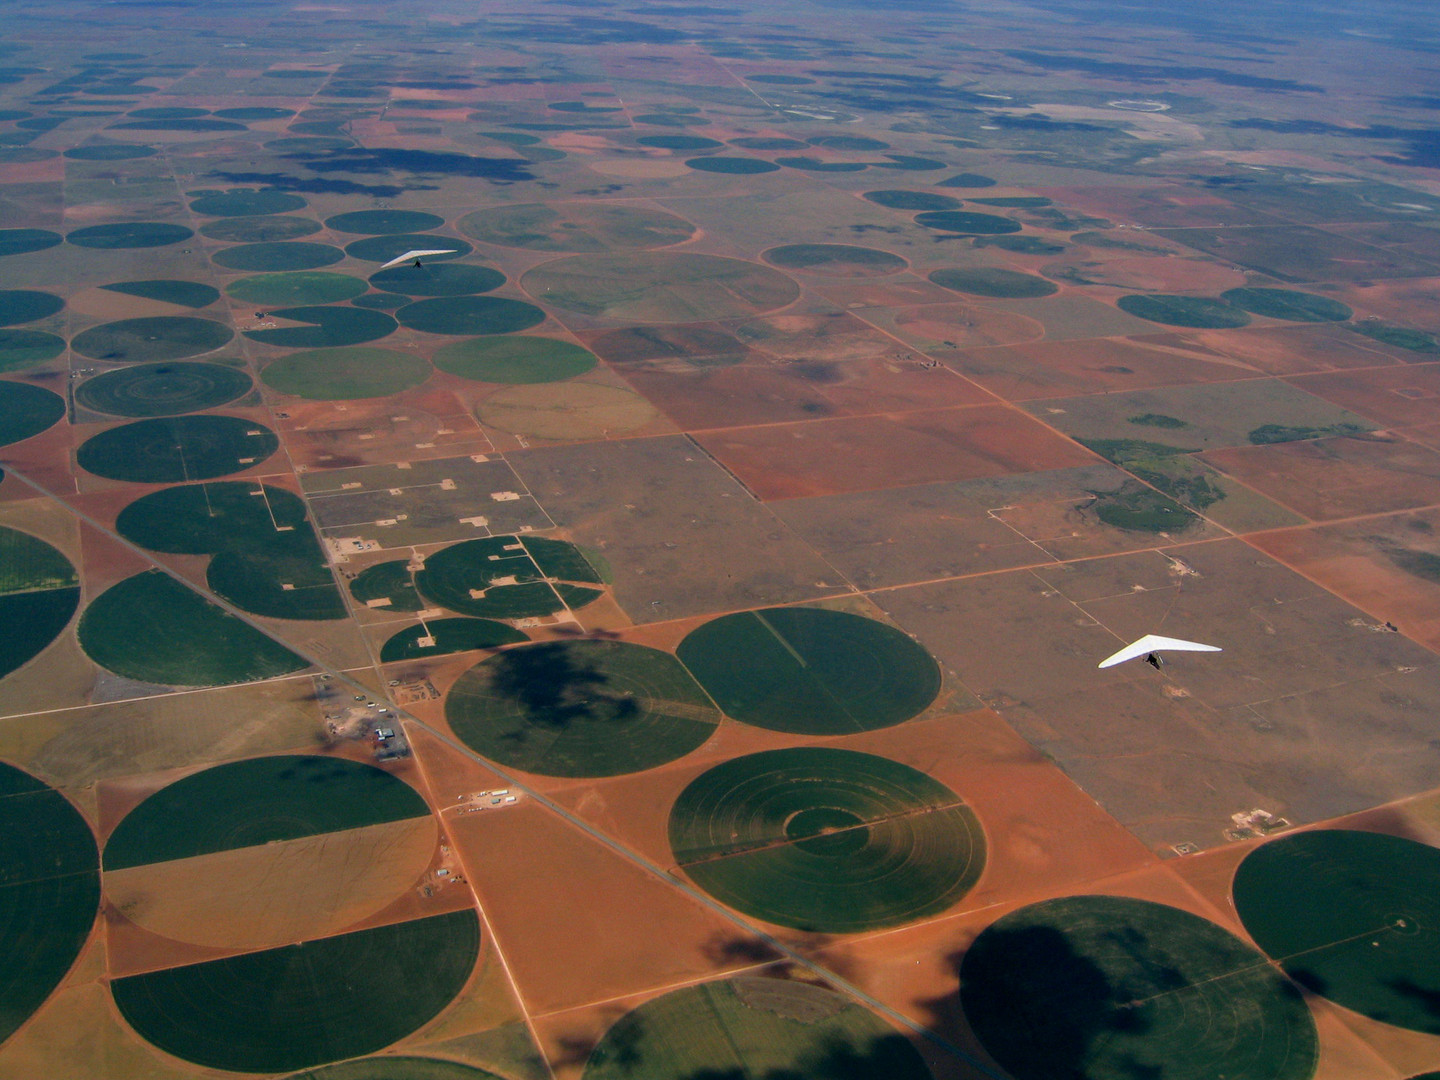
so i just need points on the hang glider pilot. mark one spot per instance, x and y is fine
(1150, 646)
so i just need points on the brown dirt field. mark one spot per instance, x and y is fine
(104, 305)
(130, 949)
(1325, 479)
(338, 434)
(1288, 350)
(1101, 366)
(1409, 302)
(829, 456)
(570, 412)
(1165, 205)
(1157, 273)
(46, 458)
(936, 327)
(903, 291)
(49, 1044)
(265, 896)
(1396, 396)
(634, 168)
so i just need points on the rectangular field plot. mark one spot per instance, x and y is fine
(1299, 253)
(421, 502)
(1397, 397)
(825, 457)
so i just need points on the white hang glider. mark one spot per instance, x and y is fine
(1150, 645)
(416, 256)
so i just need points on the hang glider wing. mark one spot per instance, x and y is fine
(1154, 643)
(410, 256)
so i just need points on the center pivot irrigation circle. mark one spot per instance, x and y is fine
(1353, 916)
(145, 390)
(811, 671)
(1112, 988)
(826, 840)
(580, 708)
(175, 450)
(164, 337)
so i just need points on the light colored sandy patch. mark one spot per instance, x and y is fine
(638, 168)
(107, 305)
(566, 411)
(271, 894)
(78, 1033)
(575, 140)
(1142, 125)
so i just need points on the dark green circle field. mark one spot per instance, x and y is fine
(325, 327)
(732, 166)
(26, 411)
(835, 260)
(580, 708)
(177, 449)
(297, 287)
(812, 164)
(248, 113)
(465, 315)
(826, 840)
(258, 801)
(679, 142)
(1353, 917)
(993, 281)
(448, 636)
(154, 629)
(344, 374)
(580, 227)
(110, 152)
(394, 1067)
(443, 279)
(1199, 312)
(779, 1029)
(514, 359)
(166, 389)
(967, 180)
(502, 577)
(247, 203)
(259, 230)
(27, 305)
(1287, 304)
(967, 223)
(811, 671)
(25, 348)
(383, 222)
(163, 337)
(660, 286)
(132, 234)
(1111, 988)
(50, 875)
(382, 301)
(278, 256)
(21, 155)
(913, 200)
(24, 241)
(382, 249)
(761, 142)
(39, 592)
(304, 1005)
(388, 585)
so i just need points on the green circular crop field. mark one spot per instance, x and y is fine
(442, 279)
(967, 180)
(835, 260)
(177, 449)
(1111, 988)
(660, 286)
(303, 1005)
(166, 389)
(154, 629)
(1288, 304)
(39, 592)
(1017, 202)
(391, 582)
(258, 801)
(110, 152)
(466, 315)
(132, 234)
(448, 636)
(732, 166)
(826, 840)
(382, 249)
(26, 411)
(913, 200)
(581, 227)
(812, 164)
(1022, 245)
(514, 359)
(278, 256)
(679, 142)
(346, 373)
(776, 1029)
(393, 1067)
(811, 671)
(297, 287)
(50, 897)
(1200, 312)
(24, 241)
(580, 708)
(23, 155)
(325, 327)
(382, 301)
(259, 230)
(247, 113)
(993, 281)
(509, 584)
(384, 222)
(164, 337)
(25, 348)
(247, 203)
(1351, 916)
(967, 223)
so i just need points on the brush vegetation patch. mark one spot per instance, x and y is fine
(155, 629)
(278, 256)
(1288, 304)
(259, 230)
(297, 287)
(177, 449)
(163, 337)
(580, 708)
(811, 671)
(444, 279)
(26, 411)
(1200, 312)
(1401, 337)
(266, 559)
(191, 294)
(580, 227)
(169, 389)
(993, 281)
(441, 637)
(826, 840)
(836, 260)
(514, 359)
(133, 234)
(39, 592)
(324, 326)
